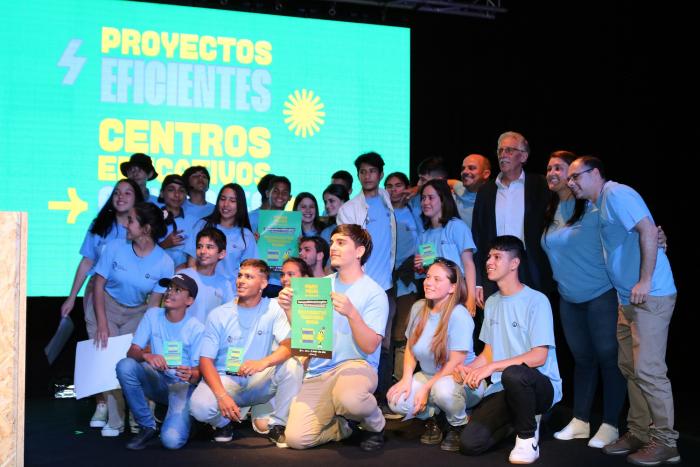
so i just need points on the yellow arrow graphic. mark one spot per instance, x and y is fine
(75, 206)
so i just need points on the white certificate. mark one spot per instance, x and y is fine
(95, 369)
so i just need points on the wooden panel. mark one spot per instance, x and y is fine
(13, 300)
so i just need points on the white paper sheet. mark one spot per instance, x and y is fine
(95, 369)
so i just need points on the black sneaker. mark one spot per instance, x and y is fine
(224, 434)
(451, 441)
(141, 440)
(276, 435)
(432, 433)
(372, 441)
(388, 413)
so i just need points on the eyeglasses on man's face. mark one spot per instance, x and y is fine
(575, 177)
(508, 150)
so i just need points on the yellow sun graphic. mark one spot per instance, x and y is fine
(304, 112)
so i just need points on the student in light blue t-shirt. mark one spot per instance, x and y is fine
(180, 223)
(126, 283)
(214, 288)
(168, 371)
(519, 356)
(196, 180)
(641, 274)
(239, 361)
(108, 225)
(231, 217)
(439, 338)
(311, 225)
(340, 388)
(448, 234)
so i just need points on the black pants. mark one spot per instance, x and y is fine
(526, 392)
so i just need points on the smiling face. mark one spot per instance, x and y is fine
(511, 154)
(308, 210)
(557, 172)
(437, 285)
(332, 203)
(227, 206)
(280, 195)
(500, 264)
(431, 204)
(134, 229)
(585, 183)
(289, 269)
(474, 172)
(208, 252)
(250, 282)
(123, 198)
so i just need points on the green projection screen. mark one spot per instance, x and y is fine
(87, 83)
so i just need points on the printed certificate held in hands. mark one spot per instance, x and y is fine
(312, 317)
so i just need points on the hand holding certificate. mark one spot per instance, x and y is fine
(312, 317)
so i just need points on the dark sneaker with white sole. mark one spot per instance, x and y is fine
(276, 435)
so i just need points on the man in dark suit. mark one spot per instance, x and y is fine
(513, 204)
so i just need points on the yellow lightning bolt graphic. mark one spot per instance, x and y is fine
(75, 206)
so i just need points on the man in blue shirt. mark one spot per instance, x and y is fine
(641, 274)
(339, 389)
(167, 372)
(476, 170)
(519, 356)
(238, 363)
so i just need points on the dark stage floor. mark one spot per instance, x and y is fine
(57, 434)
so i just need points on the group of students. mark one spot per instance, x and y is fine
(228, 315)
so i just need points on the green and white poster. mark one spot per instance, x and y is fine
(312, 317)
(86, 83)
(279, 236)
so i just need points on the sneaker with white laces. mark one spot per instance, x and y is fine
(110, 432)
(525, 451)
(574, 430)
(605, 435)
(99, 418)
(224, 434)
(276, 435)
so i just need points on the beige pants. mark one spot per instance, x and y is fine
(317, 414)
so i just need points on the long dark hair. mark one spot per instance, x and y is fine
(105, 219)
(318, 225)
(579, 206)
(241, 218)
(449, 207)
(153, 216)
(340, 192)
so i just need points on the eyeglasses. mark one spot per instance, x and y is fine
(574, 177)
(508, 150)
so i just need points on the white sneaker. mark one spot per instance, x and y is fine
(99, 418)
(525, 451)
(605, 435)
(109, 432)
(575, 429)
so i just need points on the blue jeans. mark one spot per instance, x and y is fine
(140, 381)
(590, 331)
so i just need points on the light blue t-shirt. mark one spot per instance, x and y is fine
(406, 241)
(576, 254)
(459, 336)
(254, 330)
(185, 223)
(326, 233)
(212, 291)
(197, 211)
(93, 244)
(372, 304)
(254, 218)
(516, 324)
(155, 329)
(240, 245)
(465, 206)
(451, 240)
(416, 210)
(621, 209)
(378, 266)
(129, 277)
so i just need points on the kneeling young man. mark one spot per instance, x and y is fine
(173, 335)
(519, 356)
(246, 330)
(340, 389)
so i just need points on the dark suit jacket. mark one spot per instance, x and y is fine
(535, 270)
